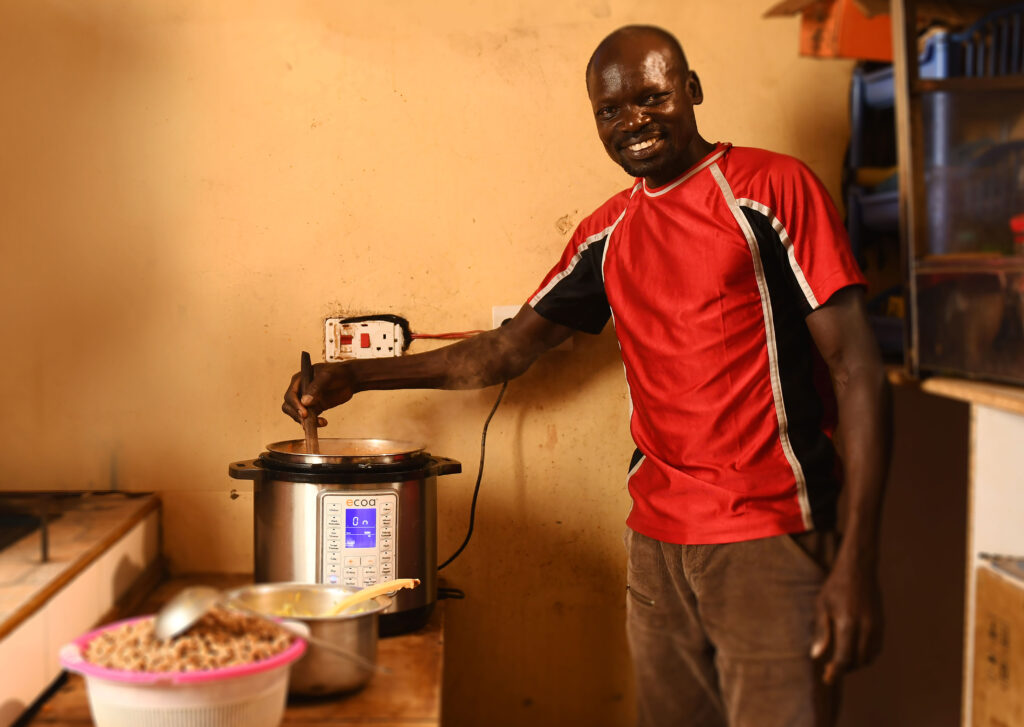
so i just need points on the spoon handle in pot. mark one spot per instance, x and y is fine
(298, 629)
(372, 592)
(309, 423)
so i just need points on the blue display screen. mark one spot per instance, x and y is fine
(360, 527)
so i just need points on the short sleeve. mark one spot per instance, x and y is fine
(572, 293)
(813, 234)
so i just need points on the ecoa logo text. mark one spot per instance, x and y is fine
(361, 501)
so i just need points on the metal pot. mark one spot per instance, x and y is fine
(319, 671)
(359, 512)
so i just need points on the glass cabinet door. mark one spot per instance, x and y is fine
(965, 261)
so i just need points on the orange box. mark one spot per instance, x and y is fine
(839, 29)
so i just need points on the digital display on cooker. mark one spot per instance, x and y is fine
(360, 527)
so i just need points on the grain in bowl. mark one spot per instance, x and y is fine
(229, 670)
(220, 639)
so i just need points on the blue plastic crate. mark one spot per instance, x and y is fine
(940, 59)
(868, 213)
(993, 46)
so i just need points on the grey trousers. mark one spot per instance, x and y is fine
(721, 634)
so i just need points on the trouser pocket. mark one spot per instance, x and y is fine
(640, 597)
(815, 549)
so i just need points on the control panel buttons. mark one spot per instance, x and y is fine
(357, 537)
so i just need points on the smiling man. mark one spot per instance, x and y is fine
(739, 313)
(643, 101)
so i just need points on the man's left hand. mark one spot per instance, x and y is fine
(848, 627)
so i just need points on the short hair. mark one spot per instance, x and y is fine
(632, 30)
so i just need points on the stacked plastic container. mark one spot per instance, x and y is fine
(967, 269)
(973, 178)
(875, 210)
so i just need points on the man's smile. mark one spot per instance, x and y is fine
(643, 148)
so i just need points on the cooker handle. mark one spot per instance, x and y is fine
(445, 466)
(245, 470)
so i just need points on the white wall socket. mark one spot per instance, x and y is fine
(362, 339)
(500, 313)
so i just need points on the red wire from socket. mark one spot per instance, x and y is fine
(459, 334)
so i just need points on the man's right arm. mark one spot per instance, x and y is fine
(488, 358)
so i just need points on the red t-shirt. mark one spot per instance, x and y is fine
(708, 280)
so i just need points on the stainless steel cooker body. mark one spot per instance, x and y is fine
(353, 519)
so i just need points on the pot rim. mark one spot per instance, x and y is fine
(382, 602)
(359, 451)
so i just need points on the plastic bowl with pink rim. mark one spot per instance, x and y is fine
(246, 695)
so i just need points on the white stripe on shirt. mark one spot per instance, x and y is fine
(773, 355)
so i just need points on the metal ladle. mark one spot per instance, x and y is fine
(186, 608)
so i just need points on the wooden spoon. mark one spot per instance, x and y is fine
(309, 423)
(372, 592)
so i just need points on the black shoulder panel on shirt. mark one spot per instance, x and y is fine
(795, 353)
(578, 300)
(775, 256)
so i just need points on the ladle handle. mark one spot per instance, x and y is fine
(334, 649)
(297, 628)
(309, 423)
(372, 592)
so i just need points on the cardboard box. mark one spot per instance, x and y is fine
(999, 644)
(839, 29)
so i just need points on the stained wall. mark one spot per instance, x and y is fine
(188, 188)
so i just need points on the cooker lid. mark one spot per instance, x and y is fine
(346, 452)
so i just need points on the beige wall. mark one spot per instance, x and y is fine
(188, 188)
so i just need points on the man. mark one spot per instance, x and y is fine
(732, 286)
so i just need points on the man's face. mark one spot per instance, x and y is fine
(643, 97)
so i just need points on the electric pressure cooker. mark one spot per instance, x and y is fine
(359, 512)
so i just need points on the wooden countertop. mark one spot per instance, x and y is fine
(87, 525)
(997, 396)
(409, 696)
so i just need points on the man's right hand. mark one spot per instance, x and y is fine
(332, 384)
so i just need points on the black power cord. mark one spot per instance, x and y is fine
(479, 476)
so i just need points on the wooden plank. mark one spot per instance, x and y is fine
(68, 707)
(912, 201)
(997, 396)
(986, 84)
(985, 393)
